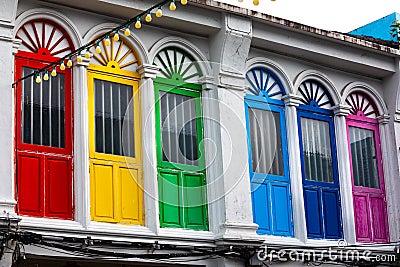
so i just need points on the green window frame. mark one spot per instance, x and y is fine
(182, 185)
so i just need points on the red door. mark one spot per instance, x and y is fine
(43, 134)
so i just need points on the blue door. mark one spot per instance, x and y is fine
(319, 164)
(268, 158)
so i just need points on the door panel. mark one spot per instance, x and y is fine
(362, 220)
(313, 212)
(194, 193)
(330, 202)
(280, 208)
(131, 194)
(59, 187)
(30, 187)
(170, 212)
(261, 207)
(102, 192)
(378, 213)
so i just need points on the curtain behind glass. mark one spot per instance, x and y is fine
(363, 155)
(317, 152)
(266, 141)
(43, 111)
(178, 129)
(114, 124)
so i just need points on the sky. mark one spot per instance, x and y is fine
(338, 15)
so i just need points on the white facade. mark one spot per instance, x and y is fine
(227, 42)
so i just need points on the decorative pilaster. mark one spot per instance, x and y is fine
(231, 48)
(148, 73)
(81, 142)
(344, 171)
(391, 175)
(296, 180)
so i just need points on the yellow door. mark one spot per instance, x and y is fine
(115, 147)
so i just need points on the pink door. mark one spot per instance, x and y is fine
(367, 173)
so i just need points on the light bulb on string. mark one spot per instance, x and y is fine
(62, 66)
(69, 63)
(54, 72)
(148, 17)
(159, 12)
(38, 79)
(172, 6)
(79, 58)
(107, 41)
(127, 31)
(46, 76)
(98, 48)
(184, 2)
(138, 25)
(87, 53)
(116, 37)
(256, 2)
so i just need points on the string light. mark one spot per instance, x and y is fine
(67, 60)
(256, 2)
(172, 6)
(46, 76)
(38, 79)
(87, 54)
(127, 31)
(98, 48)
(107, 41)
(138, 25)
(62, 66)
(148, 17)
(116, 37)
(159, 12)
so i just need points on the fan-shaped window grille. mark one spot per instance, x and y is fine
(314, 94)
(361, 105)
(44, 37)
(119, 55)
(177, 65)
(263, 82)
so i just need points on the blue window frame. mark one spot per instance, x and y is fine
(268, 155)
(319, 162)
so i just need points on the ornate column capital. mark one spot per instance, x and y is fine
(207, 82)
(291, 100)
(15, 46)
(341, 110)
(383, 119)
(148, 71)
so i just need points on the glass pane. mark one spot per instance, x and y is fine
(114, 124)
(178, 129)
(317, 152)
(363, 156)
(43, 111)
(266, 141)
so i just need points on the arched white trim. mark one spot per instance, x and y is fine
(132, 40)
(59, 18)
(274, 67)
(320, 77)
(369, 91)
(184, 45)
